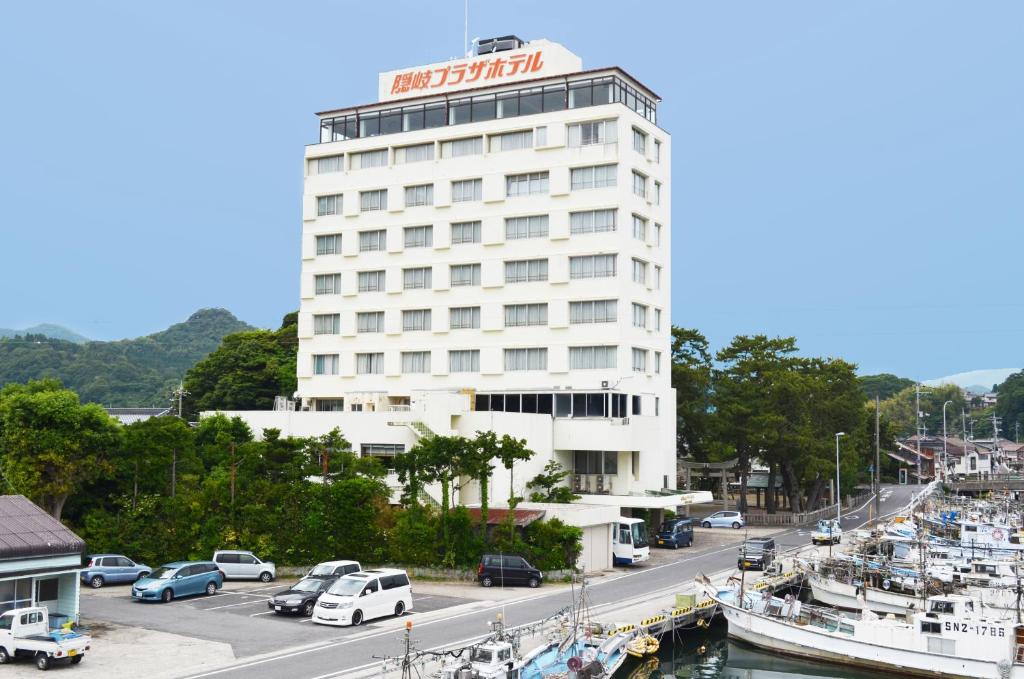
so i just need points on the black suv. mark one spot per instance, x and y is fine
(756, 554)
(505, 569)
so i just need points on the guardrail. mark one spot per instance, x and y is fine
(801, 518)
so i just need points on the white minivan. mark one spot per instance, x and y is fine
(363, 596)
(237, 564)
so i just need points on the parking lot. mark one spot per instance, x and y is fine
(236, 615)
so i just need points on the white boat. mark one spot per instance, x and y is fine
(854, 597)
(950, 640)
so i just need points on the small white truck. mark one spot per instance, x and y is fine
(827, 532)
(25, 633)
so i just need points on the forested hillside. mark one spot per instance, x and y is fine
(134, 372)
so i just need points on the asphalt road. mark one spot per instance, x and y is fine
(350, 648)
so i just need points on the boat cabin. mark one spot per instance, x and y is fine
(490, 660)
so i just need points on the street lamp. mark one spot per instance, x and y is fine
(945, 455)
(839, 497)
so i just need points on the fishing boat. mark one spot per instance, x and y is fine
(949, 640)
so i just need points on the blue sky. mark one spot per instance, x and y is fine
(848, 173)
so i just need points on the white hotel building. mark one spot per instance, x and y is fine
(488, 248)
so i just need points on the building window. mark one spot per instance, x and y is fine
(419, 236)
(327, 284)
(528, 184)
(465, 232)
(526, 271)
(373, 200)
(326, 324)
(325, 364)
(370, 364)
(657, 319)
(464, 361)
(592, 221)
(455, 148)
(639, 360)
(416, 319)
(639, 228)
(540, 136)
(419, 278)
(657, 233)
(415, 361)
(639, 271)
(592, 358)
(465, 274)
(526, 314)
(371, 281)
(414, 154)
(422, 194)
(330, 405)
(535, 226)
(329, 164)
(657, 151)
(657, 193)
(657, 278)
(370, 321)
(526, 359)
(592, 266)
(373, 240)
(639, 315)
(595, 177)
(657, 370)
(466, 190)
(378, 158)
(328, 205)
(511, 141)
(328, 245)
(464, 318)
(639, 141)
(593, 311)
(639, 184)
(595, 461)
(593, 132)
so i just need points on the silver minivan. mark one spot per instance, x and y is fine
(239, 564)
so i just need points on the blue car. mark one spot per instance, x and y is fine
(178, 579)
(112, 569)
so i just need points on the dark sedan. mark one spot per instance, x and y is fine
(300, 597)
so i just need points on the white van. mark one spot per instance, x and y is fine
(363, 596)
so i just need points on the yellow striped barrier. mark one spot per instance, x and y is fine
(625, 628)
(647, 622)
(676, 612)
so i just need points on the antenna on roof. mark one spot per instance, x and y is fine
(465, 31)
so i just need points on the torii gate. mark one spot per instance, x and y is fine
(712, 469)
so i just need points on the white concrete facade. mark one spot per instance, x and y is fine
(380, 351)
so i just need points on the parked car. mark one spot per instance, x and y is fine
(675, 533)
(25, 633)
(111, 569)
(300, 597)
(334, 569)
(178, 579)
(723, 520)
(507, 569)
(756, 554)
(363, 596)
(238, 564)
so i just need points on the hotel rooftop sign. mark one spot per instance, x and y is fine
(536, 59)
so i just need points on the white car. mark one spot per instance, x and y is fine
(725, 519)
(334, 569)
(828, 531)
(238, 564)
(25, 632)
(364, 596)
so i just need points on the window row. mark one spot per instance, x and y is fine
(516, 228)
(527, 101)
(584, 312)
(574, 404)
(517, 359)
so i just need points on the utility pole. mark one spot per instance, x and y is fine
(878, 462)
(945, 454)
(920, 431)
(180, 395)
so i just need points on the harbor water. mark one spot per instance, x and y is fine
(709, 654)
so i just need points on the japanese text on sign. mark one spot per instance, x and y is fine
(482, 70)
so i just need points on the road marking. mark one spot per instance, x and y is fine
(241, 603)
(258, 614)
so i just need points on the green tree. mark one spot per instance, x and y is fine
(245, 372)
(691, 378)
(442, 460)
(156, 452)
(550, 485)
(1010, 404)
(513, 450)
(901, 409)
(51, 445)
(480, 455)
(884, 385)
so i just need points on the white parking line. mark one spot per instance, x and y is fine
(241, 603)
(263, 613)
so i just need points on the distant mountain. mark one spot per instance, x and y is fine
(975, 379)
(48, 330)
(133, 372)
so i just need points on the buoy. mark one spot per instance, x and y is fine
(886, 584)
(702, 650)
